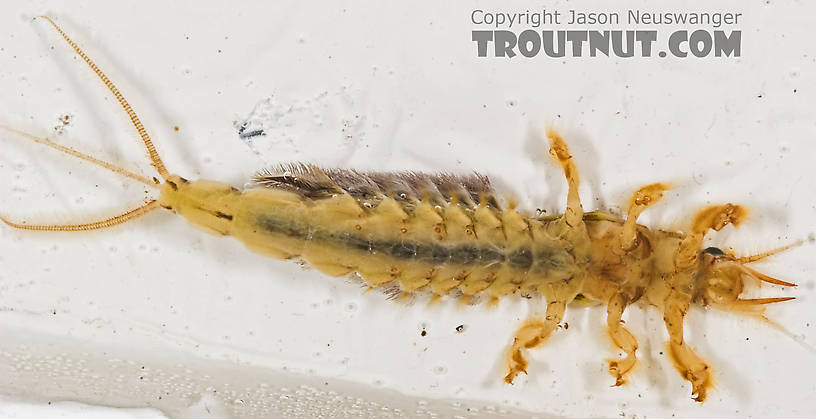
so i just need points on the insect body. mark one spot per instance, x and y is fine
(452, 235)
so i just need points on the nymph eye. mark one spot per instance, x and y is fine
(714, 251)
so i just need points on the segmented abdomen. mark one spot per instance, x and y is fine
(435, 232)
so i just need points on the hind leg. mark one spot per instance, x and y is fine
(623, 339)
(531, 334)
(536, 331)
(574, 213)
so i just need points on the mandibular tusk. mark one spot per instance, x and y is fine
(766, 278)
(757, 301)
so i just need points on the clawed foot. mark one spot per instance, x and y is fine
(700, 383)
(618, 368)
(516, 364)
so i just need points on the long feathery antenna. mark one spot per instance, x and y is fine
(83, 156)
(151, 149)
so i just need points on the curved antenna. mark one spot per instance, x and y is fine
(151, 149)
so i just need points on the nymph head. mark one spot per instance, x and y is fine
(721, 279)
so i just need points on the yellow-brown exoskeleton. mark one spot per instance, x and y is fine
(451, 235)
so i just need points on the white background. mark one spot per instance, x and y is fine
(155, 313)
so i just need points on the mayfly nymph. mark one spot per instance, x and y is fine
(451, 235)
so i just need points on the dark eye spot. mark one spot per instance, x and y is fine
(225, 216)
(714, 251)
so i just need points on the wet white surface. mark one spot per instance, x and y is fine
(156, 314)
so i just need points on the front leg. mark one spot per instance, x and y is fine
(710, 218)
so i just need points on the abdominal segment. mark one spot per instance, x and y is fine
(439, 250)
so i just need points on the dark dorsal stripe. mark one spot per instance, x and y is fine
(431, 253)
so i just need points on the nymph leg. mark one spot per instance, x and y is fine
(642, 199)
(531, 334)
(689, 364)
(534, 332)
(715, 218)
(681, 284)
(558, 149)
(622, 338)
(558, 293)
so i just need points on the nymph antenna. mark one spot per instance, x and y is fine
(151, 149)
